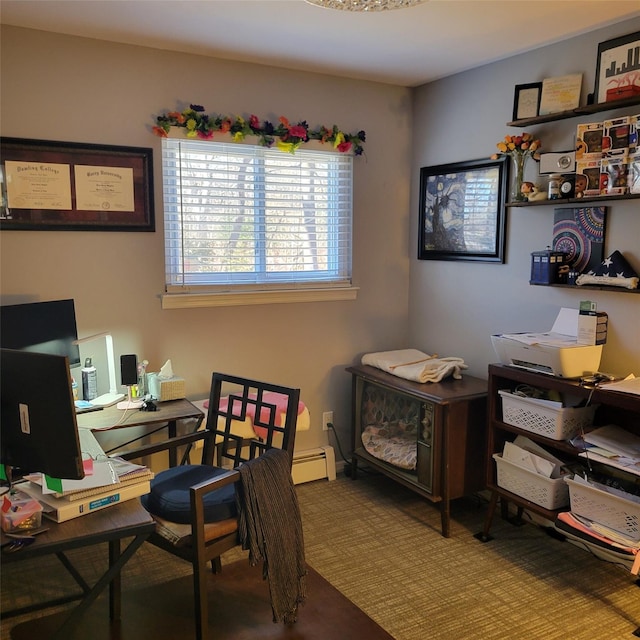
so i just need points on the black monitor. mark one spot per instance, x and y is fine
(38, 428)
(43, 327)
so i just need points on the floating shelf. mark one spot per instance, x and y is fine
(575, 113)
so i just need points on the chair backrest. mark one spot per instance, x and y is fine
(234, 402)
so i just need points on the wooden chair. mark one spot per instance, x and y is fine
(194, 505)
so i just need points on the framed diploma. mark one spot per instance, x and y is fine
(66, 186)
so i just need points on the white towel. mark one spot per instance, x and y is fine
(412, 364)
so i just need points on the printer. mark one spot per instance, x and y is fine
(556, 352)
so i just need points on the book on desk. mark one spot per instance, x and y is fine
(124, 481)
(61, 509)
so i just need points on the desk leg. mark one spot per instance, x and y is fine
(172, 429)
(116, 562)
(115, 586)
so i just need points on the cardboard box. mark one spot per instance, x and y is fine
(615, 140)
(633, 173)
(614, 176)
(592, 327)
(589, 140)
(589, 183)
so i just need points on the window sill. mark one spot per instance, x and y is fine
(232, 299)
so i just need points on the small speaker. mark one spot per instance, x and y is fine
(129, 370)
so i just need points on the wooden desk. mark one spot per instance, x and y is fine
(451, 423)
(111, 525)
(167, 416)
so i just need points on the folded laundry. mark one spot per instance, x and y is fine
(415, 365)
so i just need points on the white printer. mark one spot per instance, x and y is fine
(556, 352)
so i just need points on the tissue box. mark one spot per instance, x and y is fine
(163, 389)
(20, 512)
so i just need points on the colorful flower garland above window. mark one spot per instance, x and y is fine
(286, 136)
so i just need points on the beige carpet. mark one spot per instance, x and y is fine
(379, 544)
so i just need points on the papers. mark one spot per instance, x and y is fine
(630, 384)
(615, 439)
(614, 446)
(563, 332)
(528, 455)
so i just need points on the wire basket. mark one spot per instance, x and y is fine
(617, 513)
(536, 416)
(550, 493)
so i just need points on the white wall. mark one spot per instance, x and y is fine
(56, 87)
(456, 306)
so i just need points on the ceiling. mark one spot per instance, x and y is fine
(406, 47)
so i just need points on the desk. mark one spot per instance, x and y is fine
(111, 525)
(168, 415)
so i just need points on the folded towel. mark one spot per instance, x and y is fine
(415, 365)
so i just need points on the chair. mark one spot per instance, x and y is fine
(194, 505)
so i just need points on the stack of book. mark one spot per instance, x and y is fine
(112, 480)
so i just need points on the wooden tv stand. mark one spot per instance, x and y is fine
(451, 435)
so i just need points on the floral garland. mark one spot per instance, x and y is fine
(286, 136)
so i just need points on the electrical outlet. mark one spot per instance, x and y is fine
(327, 418)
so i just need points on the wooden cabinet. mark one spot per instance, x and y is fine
(613, 407)
(448, 422)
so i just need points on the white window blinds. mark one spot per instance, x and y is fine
(247, 217)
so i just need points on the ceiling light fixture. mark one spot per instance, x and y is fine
(366, 5)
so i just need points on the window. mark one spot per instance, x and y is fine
(242, 217)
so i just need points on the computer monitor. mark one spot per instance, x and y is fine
(43, 327)
(38, 429)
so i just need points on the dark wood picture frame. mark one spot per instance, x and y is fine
(611, 52)
(526, 100)
(463, 211)
(64, 186)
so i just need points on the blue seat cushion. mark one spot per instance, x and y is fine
(169, 496)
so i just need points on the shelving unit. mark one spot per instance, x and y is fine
(614, 105)
(613, 408)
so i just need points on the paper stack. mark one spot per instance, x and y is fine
(107, 481)
(528, 455)
(614, 446)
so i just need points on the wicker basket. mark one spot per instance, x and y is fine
(550, 493)
(535, 416)
(612, 511)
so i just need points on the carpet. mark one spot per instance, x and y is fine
(239, 609)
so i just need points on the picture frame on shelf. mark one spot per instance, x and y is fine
(67, 186)
(526, 100)
(560, 94)
(614, 67)
(463, 211)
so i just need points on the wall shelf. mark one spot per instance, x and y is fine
(595, 287)
(566, 201)
(576, 113)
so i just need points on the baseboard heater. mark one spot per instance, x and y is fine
(313, 464)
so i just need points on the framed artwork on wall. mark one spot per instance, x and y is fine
(617, 68)
(462, 211)
(64, 186)
(579, 233)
